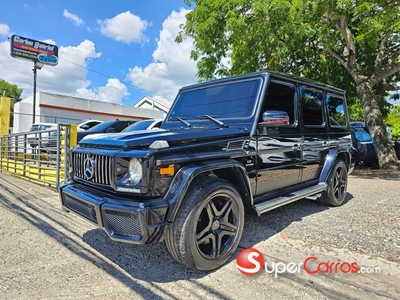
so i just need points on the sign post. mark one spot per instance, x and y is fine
(36, 66)
(39, 52)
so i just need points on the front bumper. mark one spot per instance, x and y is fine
(124, 219)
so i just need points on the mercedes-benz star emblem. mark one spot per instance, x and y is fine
(89, 165)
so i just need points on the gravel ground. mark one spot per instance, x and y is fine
(49, 254)
(369, 223)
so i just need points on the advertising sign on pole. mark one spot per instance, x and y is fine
(32, 50)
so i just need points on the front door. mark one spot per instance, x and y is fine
(278, 159)
(279, 148)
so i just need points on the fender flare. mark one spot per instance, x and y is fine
(185, 176)
(330, 159)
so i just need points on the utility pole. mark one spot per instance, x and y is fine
(34, 92)
(36, 66)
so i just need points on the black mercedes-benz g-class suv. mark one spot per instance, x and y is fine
(245, 143)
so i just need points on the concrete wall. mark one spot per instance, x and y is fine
(23, 116)
(54, 108)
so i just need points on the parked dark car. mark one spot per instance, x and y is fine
(106, 127)
(144, 125)
(356, 125)
(363, 150)
(248, 143)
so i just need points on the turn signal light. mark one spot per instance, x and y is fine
(167, 171)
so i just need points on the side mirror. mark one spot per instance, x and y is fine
(275, 118)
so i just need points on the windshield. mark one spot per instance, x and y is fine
(141, 125)
(223, 101)
(363, 136)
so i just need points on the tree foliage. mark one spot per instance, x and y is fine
(350, 44)
(393, 120)
(11, 91)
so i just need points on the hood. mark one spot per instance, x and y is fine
(144, 138)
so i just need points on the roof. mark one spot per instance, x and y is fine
(159, 103)
(273, 74)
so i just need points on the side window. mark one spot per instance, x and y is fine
(281, 97)
(312, 107)
(91, 124)
(336, 110)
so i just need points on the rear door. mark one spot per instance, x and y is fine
(315, 132)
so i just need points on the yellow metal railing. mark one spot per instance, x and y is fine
(41, 156)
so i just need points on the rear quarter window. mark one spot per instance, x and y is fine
(336, 110)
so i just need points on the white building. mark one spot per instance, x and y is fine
(154, 104)
(53, 108)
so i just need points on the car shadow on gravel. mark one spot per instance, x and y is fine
(153, 263)
(260, 228)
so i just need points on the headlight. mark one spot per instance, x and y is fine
(135, 171)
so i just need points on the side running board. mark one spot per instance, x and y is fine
(309, 193)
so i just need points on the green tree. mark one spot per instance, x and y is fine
(393, 120)
(11, 91)
(351, 44)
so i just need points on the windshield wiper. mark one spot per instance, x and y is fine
(212, 118)
(182, 120)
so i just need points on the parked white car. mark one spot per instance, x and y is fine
(87, 124)
(39, 138)
(43, 126)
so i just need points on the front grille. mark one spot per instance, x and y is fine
(123, 223)
(84, 209)
(96, 168)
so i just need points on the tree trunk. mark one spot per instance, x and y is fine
(387, 157)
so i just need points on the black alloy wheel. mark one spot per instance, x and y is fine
(337, 185)
(208, 226)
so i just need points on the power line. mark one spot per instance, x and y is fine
(5, 36)
(102, 74)
(105, 75)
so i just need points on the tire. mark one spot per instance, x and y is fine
(208, 226)
(337, 185)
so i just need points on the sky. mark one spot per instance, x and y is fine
(116, 51)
